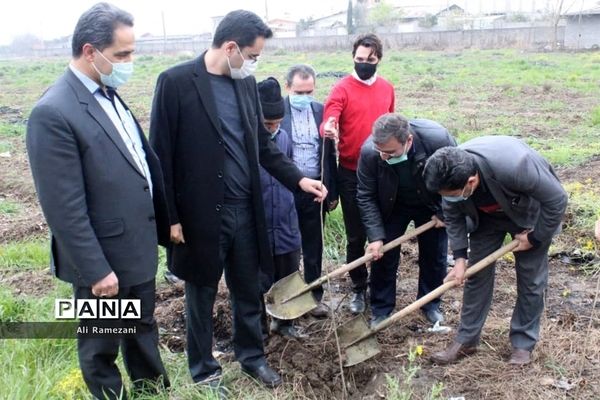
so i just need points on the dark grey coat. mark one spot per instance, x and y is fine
(523, 183)
(94, 197)
(378, 183)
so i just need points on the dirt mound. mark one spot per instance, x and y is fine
(170, 315)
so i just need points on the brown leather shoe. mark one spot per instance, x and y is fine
(520, 357)
(453, 353)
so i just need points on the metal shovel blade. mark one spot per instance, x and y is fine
(281, 303)
(357, 352)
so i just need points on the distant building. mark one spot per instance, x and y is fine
(334, 24)
(283, 27)
(583, 29)
(427, 18)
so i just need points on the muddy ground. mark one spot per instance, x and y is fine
(566, 361)
(570, 345)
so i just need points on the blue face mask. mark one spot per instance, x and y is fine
(456, 199)
(121, 72)
(300, 101)
(397, 160)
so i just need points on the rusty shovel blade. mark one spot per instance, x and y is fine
(356, 349)
(283, 300)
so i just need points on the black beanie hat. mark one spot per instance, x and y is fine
(270, 98)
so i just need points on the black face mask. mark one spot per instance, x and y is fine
(365, 70)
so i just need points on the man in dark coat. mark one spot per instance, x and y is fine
(207, 130)
(391, 194)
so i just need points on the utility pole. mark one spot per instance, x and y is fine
(162, 16)
(266, 11)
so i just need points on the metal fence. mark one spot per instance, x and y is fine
(522, 38)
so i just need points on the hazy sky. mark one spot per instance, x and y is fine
(55, 18)
(49, 19)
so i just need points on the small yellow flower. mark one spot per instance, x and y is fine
(589, 245)
(419, 350)
(72, 386)
(566, 293)
(509, 257)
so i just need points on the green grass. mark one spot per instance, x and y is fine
(52, 364)
(29, 254)
(595, 117)
(8, 207)
(11, 129)
(335, 238)
(5, 146)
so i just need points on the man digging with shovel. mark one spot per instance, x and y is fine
(491, 186)
(391, 193)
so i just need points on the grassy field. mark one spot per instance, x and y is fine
(551, 100)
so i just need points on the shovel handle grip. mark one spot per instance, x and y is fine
(443, 288)
(368, 257)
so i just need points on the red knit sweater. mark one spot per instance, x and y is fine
(356, 106)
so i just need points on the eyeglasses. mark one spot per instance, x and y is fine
(251, 58)
(381, 152)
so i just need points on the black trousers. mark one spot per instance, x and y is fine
(310, 219)
(238, 253)
(141, 356)
(433, 249)
(356, 236)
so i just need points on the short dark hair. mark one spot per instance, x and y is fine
(97, 26)
(305, 71)
(371, 41)
(390, 126)
(241, 26)
(448, 168)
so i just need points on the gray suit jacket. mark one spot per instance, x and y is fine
(95, 199)
(522, 182)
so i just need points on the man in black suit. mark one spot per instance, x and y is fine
(207, 130)
(303, 116)
(101, 190)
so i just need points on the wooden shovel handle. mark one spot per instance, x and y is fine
(368, 257)
(443, 288)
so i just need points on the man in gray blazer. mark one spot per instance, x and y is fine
(101, 190)
(491, 186)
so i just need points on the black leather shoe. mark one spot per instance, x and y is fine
(171, 278)
(287, 330)
(376, 320)
(434, 315)
(214, 384)
(357, 304)
(264, 374)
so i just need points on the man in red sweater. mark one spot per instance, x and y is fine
(354, 104)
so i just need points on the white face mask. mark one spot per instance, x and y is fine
(247, 69)
(121, 72)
